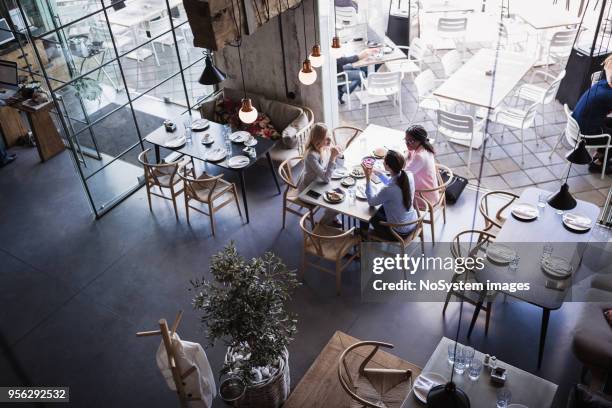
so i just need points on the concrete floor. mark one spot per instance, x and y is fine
(74, 291)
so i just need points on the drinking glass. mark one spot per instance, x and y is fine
(351, 195)
(460, 361)
(363, 145)
(503, 398)
(451, 353)
(187, 126)
(514, 263)
(475, 369)
(547, 251)
(468, 353)
(228, 147)
(542, 200)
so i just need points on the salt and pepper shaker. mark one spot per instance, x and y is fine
(492, 363)
(486, 361)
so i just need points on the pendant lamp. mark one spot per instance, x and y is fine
(562, 199)
(316, 58)
(580, 155)
(307, 75)
(336, 47)
(211, 75)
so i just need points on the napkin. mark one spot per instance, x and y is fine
(577, 220)
(423, 384)
(175, 142)
(525, 211)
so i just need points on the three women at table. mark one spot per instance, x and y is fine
(395, 197)
(320, 158)
(421, 162)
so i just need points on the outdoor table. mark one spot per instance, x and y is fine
(197, 150)
(527, 389)
(547, 228)
(447, 6)
(485, 80)
(372, 137)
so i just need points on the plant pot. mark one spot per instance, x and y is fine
(270, 393)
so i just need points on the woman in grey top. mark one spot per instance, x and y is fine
(319, 162)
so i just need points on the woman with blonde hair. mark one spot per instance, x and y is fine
(319, 161)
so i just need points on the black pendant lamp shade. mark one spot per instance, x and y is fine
(211, 75)
(447, 396)
(562, 200)
(580, 155)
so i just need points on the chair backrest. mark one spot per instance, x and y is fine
(319, 241)
(563, 40)
(152, 171)
(191, 184)
(465, 240)
(455, 122)
(451, 62)
(285, 171)
(345, 16)
(425, 82)
(385, 80)
(452, 24)
(530, 114)
(344, 135)
(596, 77)
(99, 32)
(159, 26)
(551, 92)
(572, 129)
(441, 188)
(495, 200)
(418, 49)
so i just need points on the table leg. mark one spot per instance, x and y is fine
(273, 172)
(543, 330)
(244, 197)
(475, 316)
(157, 154)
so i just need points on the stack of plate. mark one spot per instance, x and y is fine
(556, 267)
(208, 139)
(500, 254)
(217, 154)
(240, 136)
(525, 212)
(199, 124)
(424, 383)
(577, 222)
(238, 162)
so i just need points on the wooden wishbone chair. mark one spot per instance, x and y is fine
(208, 190)
(162, 176)
(290, 196)
(329, 244)
(495, 220)
(441, 203)
(345, 135)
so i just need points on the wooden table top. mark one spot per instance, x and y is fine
(471, 84)
(372, 137)
(320, 386)
(526, 388)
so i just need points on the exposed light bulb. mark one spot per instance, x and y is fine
(316, 58)
(247, 113)
(307, 75)
(336, 48)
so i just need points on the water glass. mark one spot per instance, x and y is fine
(451, 353)
(468, 353)
(363, 145)
(542, 200)
(187, 126)
(228, 147)
(460, 362)
(503, 398)
(351, 195)
(475, 369)
(547, 251)
(514, 263)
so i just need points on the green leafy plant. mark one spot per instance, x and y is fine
(245, 306)
(88, 88)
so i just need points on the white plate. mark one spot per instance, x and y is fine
(359, 174)
(332, 201)
(250, 143)
(577, 222)
(435, 378)
(238, 162)
(239, 136)
(526, 212)
(208, 140)
(178, 142)
(199, 124)
(348, 181)
(500, 254)
(339, 173)
(556, 267)
(360, 192)
(216, 155)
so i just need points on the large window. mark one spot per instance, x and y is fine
(115, 69)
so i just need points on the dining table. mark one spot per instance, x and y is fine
(484, 81)
(528, 240)
(195, 149)
(374, 136)
(525, 388)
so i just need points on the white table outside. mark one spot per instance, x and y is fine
(372, 137)
(471, 84)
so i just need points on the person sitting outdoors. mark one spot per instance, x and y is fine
(592, 112)
(345, 64)
(395, 197)
(319, 163)
(421, 162)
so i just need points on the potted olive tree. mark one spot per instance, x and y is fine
(246, 307)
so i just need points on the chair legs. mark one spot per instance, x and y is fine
(173, 196)
(235, 193)
(211, 211)
(488, 317)
(149, 195)
(187, 209)
(338, 277)
(367, 113)
(559, 138)
(605, 163)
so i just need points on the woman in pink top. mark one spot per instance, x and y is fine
(421, 162)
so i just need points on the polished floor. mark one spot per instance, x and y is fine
(74, 291)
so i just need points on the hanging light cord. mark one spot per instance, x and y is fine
(238, 24)
(304, 25)
(314, 19)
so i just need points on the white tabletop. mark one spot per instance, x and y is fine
(544, 16)
(471, 84)
(447, 6)
(137, 12)
(372, 137)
